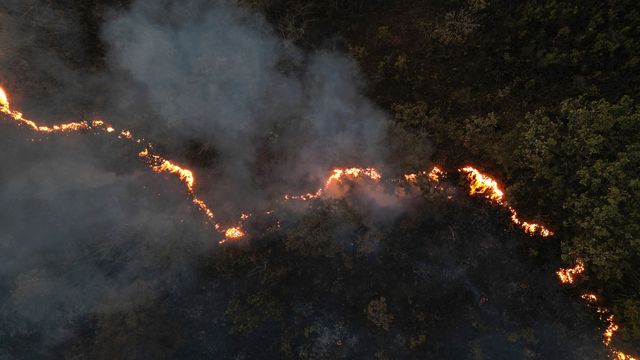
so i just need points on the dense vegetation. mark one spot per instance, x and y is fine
(542, 94)
(443, 281)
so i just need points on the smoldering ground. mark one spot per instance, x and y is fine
(94, 246)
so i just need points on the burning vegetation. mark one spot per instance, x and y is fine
(479, 184)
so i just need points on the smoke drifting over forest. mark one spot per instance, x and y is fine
(101, 258)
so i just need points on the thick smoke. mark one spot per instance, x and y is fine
(83, 229)
(198, 77)
(84, 233)
(218, 74)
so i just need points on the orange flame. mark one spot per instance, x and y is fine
(156, 162)
(482, 184)
(233, 233)
(611, 329)
(185, 175)
(433, 175)
(590, 298)
(5, 108)
(622, 356)
(337, 176)
(126, 134)
(479, 184)
(568, 276)
(487, 186)
(4, 101)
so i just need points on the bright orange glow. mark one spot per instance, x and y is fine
(203, 207)
(484, 185)
(126, 134)
(435, 174)
(622, 356)
(568, 276)
(479, 184)
(611, 329)
(5, 108)
(185, 175)
(4, 101)
(337, 176)
(233, 233)
(590, 298)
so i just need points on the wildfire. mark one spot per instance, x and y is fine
(568, 276)
(479, 184)
(185, 175)
(126, 134)
(484, 185)
(435, 174)
(5, 108)
(233, 233)
(204, 208)
(590, 298)
(337, 176)
(4, 101)
(622, 356)
(157, 163)
(611, 329)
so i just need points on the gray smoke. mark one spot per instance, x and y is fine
(215, 73)
(86, 229)
(84, 232)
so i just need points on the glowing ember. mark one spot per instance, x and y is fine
(411, 177)
(568, 276)
(591, 298)
(4, 101)
(233, 233)
(203, 207)
(126, 134)
(609, 331)
(435, 174)
(622, 356)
